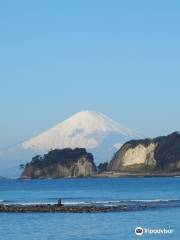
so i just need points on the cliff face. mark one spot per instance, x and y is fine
(159, 154)
(61, 163)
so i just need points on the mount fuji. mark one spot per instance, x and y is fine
(94, 131)
(87, 129)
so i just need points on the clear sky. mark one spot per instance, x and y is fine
(121, 58)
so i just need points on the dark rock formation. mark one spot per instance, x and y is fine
(61, 163)
(160, 154)
(102, 167)
(43, 208)
(89, 208)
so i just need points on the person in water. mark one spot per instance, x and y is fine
(59, 203)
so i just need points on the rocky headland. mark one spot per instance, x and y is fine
(145, 157)
(65, 163)
(160, 155)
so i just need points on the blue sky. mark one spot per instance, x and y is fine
(121, 58)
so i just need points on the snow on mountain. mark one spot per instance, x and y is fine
(91, 130)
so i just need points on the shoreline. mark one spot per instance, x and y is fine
(108, 175)
(118, 175)
(137, 174)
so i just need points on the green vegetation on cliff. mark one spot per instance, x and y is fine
(60, 163)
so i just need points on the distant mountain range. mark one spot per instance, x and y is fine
(87, 129)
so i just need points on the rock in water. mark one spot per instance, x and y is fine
(159, 154)
(61, 163)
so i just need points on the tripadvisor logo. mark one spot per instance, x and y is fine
(139, 231)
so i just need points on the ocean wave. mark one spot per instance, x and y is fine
(127, 202)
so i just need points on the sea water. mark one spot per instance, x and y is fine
(91, 226)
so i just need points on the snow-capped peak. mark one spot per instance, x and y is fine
(86, 129)
(90, 121)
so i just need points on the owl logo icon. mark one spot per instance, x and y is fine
(139, 231)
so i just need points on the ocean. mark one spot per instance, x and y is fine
(157, 223)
